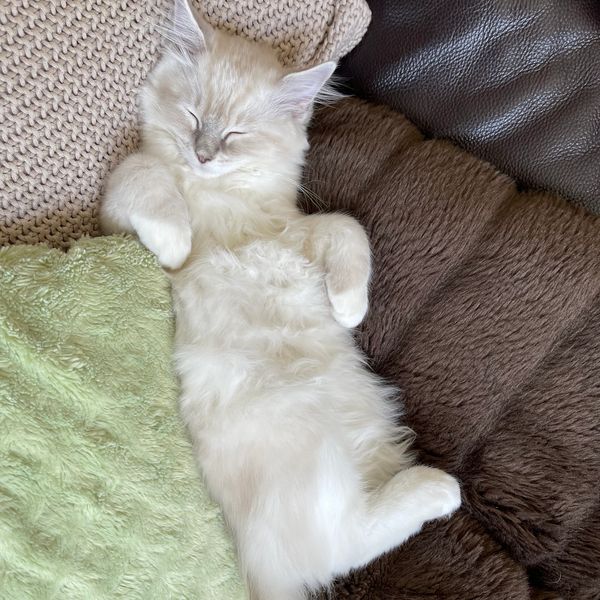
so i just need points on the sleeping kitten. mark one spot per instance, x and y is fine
(295, 437)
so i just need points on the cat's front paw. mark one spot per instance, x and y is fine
(348, 306)
(440, 492)
(170, 241)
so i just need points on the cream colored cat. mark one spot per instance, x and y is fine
(296, 438)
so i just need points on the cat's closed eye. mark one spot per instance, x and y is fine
(197, 124)
(231, 135)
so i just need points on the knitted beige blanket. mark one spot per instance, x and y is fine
(70, 71)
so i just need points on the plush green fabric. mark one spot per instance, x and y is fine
(99, 495)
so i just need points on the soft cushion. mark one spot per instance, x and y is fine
(486, 312)
(69, 78)
(99, 494)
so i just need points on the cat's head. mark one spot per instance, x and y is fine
(222, 104)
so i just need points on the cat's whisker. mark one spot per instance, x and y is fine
(309, 194)
(312, 197)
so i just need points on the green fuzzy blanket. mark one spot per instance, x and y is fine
(99, 495)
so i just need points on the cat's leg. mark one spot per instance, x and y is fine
(340, 243)
(397, 511)
(342, 528)
(142, 198)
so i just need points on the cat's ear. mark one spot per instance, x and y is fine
(188, 33)
(297, 91)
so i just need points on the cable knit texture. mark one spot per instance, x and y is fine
(69, 77)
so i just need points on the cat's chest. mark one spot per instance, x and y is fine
(261, 265)
(263, 285)
(264, 261)
(237, 239)
(247, 262)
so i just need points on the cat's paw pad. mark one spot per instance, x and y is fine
(349, 306)
(171, 242)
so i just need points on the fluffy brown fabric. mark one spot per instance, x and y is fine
(486, 312)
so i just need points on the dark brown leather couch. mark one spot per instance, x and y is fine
(517, 82)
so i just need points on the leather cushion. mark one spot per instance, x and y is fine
(515, 81)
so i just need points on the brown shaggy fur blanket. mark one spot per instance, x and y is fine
(486, 312)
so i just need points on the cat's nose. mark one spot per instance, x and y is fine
(202, 157)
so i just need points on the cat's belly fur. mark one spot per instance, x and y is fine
(269, 380)
(260, 311)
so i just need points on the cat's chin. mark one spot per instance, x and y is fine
(210, 170)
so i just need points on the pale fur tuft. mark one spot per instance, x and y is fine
(330, 93)
(297, 440)
(184, 32)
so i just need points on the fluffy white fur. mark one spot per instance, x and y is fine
(295, 437)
